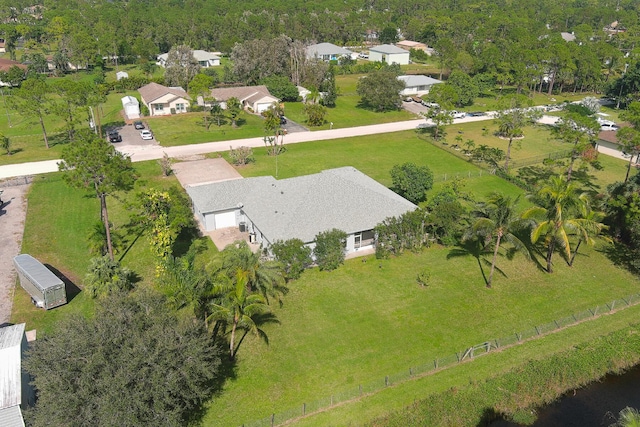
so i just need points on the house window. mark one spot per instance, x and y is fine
(180, 108)
(158, 107)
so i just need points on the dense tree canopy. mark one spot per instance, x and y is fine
(133, 364)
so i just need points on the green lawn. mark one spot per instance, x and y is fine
(370, 319)
(59, 219)
(361, 322)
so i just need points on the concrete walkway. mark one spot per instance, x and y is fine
(153, 152)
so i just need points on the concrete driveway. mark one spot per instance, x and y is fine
(131, 137)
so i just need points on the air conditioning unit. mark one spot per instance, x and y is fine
(243, 227)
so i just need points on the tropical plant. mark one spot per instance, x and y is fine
(495, 223)
(411, 181)
(556, 216)
(234, 109)
(628, 417)
(242, 310)
(262, 276)
(106, 277)
(580, 132)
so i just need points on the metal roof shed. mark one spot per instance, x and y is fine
(46, 289)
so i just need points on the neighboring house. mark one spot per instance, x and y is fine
(163, 101)
(417, 84)
(122, 75)
(15, 391)
(303, 93)
(327, 52)
(408, 45)
(614, 28)
(568, 37)
(3, 46)
(389, 53)
(204, 58)
(256, 98)
(301, 207)
(5, 66)
(131, 107)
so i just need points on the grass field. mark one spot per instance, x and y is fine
(363, 321)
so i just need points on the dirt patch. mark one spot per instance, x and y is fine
(13, 212)
(204, 171)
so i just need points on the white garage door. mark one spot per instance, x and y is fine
(263, 107)
(225, 219)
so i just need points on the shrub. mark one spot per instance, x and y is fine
(293, 255)
(412, 182)
(241, 156)
(329, 249)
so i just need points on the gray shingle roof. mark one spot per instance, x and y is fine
(388, 49)
(418, 80)
(326, 49)
(301, 207)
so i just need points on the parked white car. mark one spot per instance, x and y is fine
(146, 134)
(608, 126)
(458, 114)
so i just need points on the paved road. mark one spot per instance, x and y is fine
(140, 153)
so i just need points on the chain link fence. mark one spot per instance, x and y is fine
(464, 355)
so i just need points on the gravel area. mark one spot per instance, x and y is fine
(13, 212)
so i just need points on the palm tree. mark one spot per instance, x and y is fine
(556, 216)
(495, 223)
(264, 277)
(588, 226)
(242, 310)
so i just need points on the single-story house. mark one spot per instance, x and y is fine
(417, 84)
(122, 75)
(327, 51)
(300, 207)
(409, 44)
(568, 37)
(389, 53)
(256, 98)
(162, 100)
(5, 66)
(204, 58)
(15, 391)
(303, 92)
(131, 107)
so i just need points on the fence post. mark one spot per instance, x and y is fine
(273, 418)
(331, 400)
(435, 364)
(557, 325)
(304, 409)
(518, 337)
(386, 381)
(360, 387)
(537, 331)
(410, 372)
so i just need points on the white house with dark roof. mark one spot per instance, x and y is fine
(162, 100)
(389, 53)
(327, 51)
(417, 85)
(15, 391)
(256, 98)
(301, 207)
(204, 58)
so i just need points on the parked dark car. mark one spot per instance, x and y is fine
(138, 125)
(476, 114)
(114, 136)
(283, 120)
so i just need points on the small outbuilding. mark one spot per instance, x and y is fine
(131, 107)
(46, 289)
(15, 391)
(122, 75)
(389, 53)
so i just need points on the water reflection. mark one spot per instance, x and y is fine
(596, 405)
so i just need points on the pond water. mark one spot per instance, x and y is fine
(596, 405)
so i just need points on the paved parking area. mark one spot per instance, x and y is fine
(204, 171)
(131, 136)
(414, 107)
